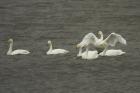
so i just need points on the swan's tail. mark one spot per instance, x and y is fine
(26, 52)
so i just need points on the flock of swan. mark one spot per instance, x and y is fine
(89, 40)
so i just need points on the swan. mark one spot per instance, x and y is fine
(113, 52)
(15, 52)
(86, 42)
(89, 56)
(55, 51)
(101, 45)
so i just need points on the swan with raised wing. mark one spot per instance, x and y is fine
(15, 52)
(101, 45)
(86, 42)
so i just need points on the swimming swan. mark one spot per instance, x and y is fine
(111, 40)
(15, 52)
(113, 52)
(55, 51)
(89, 56)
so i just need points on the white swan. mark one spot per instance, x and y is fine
(55, 51)
(15, 52)
(89, 56)
(86, 42)
(102, 45)
(113, 52)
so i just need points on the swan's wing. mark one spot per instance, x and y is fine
(88, 39)
(113, 38)
(89, 35)
(93, 39)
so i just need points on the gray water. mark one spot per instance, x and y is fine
(31, 23)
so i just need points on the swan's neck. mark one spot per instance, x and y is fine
(80, 51)
(10, 48)
(87, 51)
(101, 37)
(50, 49)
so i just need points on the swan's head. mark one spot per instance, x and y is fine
(10, 40)
(81, 45)
(100, 33)
(49, 42)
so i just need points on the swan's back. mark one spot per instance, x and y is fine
(113, 52)
(57, 51)
(91, 55)
(19, 51)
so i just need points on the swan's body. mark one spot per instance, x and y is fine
(18, 51)
(113, 52)
(89, 56)
(15, 52)
(55, 51)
